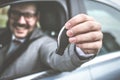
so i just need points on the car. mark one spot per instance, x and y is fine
(105, 66)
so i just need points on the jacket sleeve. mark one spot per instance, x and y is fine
(67, 62)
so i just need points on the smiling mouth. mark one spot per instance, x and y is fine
(19, 29)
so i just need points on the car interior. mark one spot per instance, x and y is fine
(108, 38)
(109, 44)
(52, 17)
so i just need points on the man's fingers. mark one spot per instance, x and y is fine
(86, 37)
(91, 45)
(83, 28)
(78, 19)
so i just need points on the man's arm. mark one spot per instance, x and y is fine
(85, 34)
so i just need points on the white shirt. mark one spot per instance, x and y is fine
(13, 46)
(14, 38)
(81, 53)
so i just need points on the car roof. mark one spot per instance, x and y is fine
(9, 2)
(110, 3)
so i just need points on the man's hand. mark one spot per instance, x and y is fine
(85, 32)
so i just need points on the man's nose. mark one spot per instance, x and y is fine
(21, 20)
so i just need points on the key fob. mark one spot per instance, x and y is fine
(62, 41)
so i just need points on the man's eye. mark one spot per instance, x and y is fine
(28, 15)
(15, 13)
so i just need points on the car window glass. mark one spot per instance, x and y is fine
(3, 16)
(108, 16)
(116, 1)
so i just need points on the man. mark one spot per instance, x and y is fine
(38, 51)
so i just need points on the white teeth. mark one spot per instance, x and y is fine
(20, 27)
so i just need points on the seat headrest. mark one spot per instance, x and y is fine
(52, 17)
(9, 2)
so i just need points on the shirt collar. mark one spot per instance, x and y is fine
(14, 38)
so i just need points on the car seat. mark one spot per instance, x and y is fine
(52, 17)
(109, 43)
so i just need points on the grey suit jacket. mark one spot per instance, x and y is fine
(39, 56)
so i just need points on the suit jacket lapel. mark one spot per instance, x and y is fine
(14, 55)
(5, 38)
(36, 34)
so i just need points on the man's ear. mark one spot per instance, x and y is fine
(38, 24)
(38, 20)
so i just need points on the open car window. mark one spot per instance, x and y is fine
(53, 15)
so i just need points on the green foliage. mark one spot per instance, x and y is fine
(3, 19)
(3, 16)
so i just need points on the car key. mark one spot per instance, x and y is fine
(62, 41)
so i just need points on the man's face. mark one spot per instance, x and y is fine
(22, 19)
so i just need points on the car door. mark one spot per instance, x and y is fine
(106, 64)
